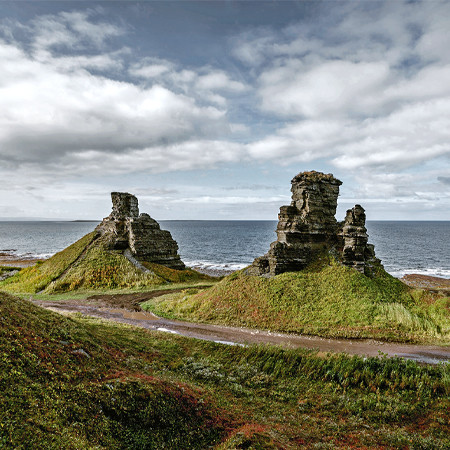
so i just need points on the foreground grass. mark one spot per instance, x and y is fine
(82, 383)
(330, 301)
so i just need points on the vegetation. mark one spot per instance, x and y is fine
(89, 265)
(177, 276)
(6, 271)
(327, 300)
(83, 383)
(39, 276)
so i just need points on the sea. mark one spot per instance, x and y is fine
(404, 247)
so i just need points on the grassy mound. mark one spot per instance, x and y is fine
(331, 301)
(76, 382)
(61, 388)
(89, 265)
(38, 277)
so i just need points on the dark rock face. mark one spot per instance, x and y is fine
(307, 228)
(356, 252)
(125, 229)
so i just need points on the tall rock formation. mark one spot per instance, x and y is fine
(356, 251)
(308, 228)
(126, 229)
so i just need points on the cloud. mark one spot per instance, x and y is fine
(59, 115)
(250, 187)
(205, 84)
(369, 93)
(48, 113)
(149, 68)
(185, 155)
(219, 80)
(329, 88)
(72, 30)
(362, 87)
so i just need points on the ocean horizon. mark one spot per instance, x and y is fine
(404, 247)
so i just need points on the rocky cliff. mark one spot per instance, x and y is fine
(138, 234)
(307, 228)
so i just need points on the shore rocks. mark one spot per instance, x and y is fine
(307, 228)
(126, 229)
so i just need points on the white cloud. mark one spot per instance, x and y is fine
(331, 87)
(149, 68)
(59, 116)
(185, 155)
(206, 84)
(50, 112)
(409, 136)
(72, 30)
(219, 80)
(369, 94)
(361, 86)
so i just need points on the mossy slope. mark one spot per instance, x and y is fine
(88, 264)
(330, 300)
(72, 383)
(61, 387)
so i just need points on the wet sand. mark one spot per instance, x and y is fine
(429, 354)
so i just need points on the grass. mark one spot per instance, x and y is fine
(63, 387)
(178, 276)
(38, 277)
(74, 382)
(89, 265)
(330, 300)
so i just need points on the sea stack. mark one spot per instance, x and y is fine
(138, 234)
(307, 229)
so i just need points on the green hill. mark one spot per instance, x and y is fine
(65, 385)
(80, 383)
(327, 299)
(90, 264)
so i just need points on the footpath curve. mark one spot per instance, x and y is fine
(97, 307)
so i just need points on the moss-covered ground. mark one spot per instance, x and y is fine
(328, 300)
(73, 382)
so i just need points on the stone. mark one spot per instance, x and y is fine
(356, 251)
(307, 229)
(125, 229)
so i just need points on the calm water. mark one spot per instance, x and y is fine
(403, 247)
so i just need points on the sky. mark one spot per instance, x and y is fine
(207, 110)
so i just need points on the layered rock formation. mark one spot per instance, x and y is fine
(307, 228)
(356, 251)
(126, 229)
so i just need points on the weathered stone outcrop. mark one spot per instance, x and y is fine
(307, 228)
(356, 251)
(126, 229)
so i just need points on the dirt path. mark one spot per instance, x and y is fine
(112, 307)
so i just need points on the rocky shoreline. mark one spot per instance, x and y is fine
(14, 261)
(427, 282)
